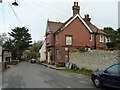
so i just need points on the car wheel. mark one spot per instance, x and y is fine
(97, 82)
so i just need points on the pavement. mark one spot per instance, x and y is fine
(27, 75)
(52, 66)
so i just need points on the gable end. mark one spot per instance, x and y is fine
(73, 20)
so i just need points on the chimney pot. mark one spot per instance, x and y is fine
(87, 15)
(76, 8)
(87, 19)
(74, 3)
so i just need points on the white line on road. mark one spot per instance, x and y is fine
(68, 87)
(21, 84)
(83, 82)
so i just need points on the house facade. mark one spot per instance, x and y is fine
(42, 52)
(75, 33)
(7, 55)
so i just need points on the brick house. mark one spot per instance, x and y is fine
(75, 33)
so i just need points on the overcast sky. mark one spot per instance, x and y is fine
(34, 14)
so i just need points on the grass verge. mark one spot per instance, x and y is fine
(80, 71)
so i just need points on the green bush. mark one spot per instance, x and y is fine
(75, 50)
(83, 50)
(117, 46)
(79, 50)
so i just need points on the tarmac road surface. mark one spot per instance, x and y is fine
(27, 75)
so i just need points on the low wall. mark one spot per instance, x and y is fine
(94, 59)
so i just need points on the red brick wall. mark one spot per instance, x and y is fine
(80, 35)
(79, 32)
(49, 40)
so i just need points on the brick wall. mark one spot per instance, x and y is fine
(95, 59)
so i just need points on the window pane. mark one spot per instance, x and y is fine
(90, 37)
(101, 38)
(114, 69)
(57, 54)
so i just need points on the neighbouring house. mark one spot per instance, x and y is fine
(7, 55)
(42, 52)
(75, 33)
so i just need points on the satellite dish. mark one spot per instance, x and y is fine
(15, 3)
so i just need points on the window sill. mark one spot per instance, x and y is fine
(101, 41)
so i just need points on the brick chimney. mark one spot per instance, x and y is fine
(87, 19)
(75, 8)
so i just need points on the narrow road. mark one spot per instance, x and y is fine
(26, 75)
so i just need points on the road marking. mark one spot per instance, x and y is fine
(68, 87)
(21, 84)
(83, 82)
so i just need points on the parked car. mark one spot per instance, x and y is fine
(32, 61)
(110, 77)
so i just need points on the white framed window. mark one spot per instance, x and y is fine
(101, 38)
(90, 37)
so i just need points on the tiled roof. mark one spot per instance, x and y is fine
(54, 26)
(95, 29)
(64, 24)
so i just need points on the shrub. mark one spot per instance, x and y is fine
(75, 50)
(83, 50)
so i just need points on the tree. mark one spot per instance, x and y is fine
(21, 40)
(111, 37)
(3, 38)
(118, 35)
(118, 39)
(9, 44)
(33, 51)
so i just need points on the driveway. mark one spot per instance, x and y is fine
(26, 75)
